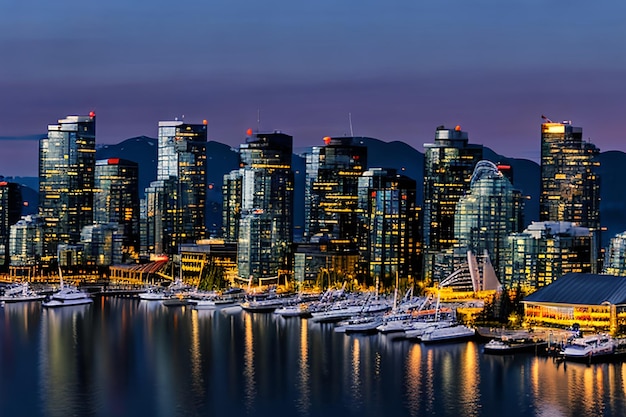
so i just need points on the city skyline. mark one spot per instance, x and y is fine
(396, 72)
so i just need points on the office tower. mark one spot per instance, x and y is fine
(66, 180)
(545, 251)
(117, 199)
(487, 214)
(389, 230)
(570, 186)
(26, 242)
(181, 173)
(266, 219)
(103, 244)
(231, 205)
(332, 177)
(10, 213)
(156, 218)
(448, 166)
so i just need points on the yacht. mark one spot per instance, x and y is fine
(509, 344)
(448, 334)
(68, 296)
(589, 348)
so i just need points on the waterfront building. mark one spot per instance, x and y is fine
(485, 216)
(331, 190)
(545, 251)
(10, 213)
(26, 245)
(66, 180)
(209, 264)
(181, 158)
(615, 259)
(117, 199)
(448, 166)
(570, 185)
(266, 218)
(102, 244)
(591, 301)
(389, 229)
(157, 222)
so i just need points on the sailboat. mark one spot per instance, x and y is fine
(67, 296)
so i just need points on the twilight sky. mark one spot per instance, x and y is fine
(399, 67)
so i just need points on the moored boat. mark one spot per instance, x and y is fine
(20, 293)
(510, 344)
(454, 333)
(68, 296)
(596, 347)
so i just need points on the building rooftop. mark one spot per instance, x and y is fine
(583, 289)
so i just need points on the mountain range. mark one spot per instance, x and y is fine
(221, 159)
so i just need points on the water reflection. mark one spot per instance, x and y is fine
(125, 358)
(64, 354)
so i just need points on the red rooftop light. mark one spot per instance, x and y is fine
(92, 114)
(114, 161)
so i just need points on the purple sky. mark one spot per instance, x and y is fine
(399, 68)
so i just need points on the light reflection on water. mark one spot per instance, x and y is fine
(121, 357)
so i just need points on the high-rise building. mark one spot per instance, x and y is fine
(231, 205)
(487, 214)
(157, 221)
(10, 213)
(66, 180)
(181, 174)
(266, 220)
(388, 239)
(448, 166)
(117, 198)
(331, 190)
(545, 251)
(570, 186)
(26, 242)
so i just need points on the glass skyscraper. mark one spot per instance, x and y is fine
(117, 198)
(266, 219)
(487, 214)
(570, 186)
(66, 180)
(332, 180)
(448, 166)
(388, 238)
(181, 174)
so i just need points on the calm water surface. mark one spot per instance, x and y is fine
(122, 357)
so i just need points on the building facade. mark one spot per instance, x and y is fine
(547, 250)
(117, 199)
(485, 216)
(10, 213)
(66, 180)
(331, 191)
(175, 202)
(266, 218)
(615, 259)
(448, 166)
(570, 186)
(389, 231)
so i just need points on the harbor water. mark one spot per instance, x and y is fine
(125, 357)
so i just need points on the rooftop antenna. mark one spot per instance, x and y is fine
(350, 121)
(546, 119)
(258, 120)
